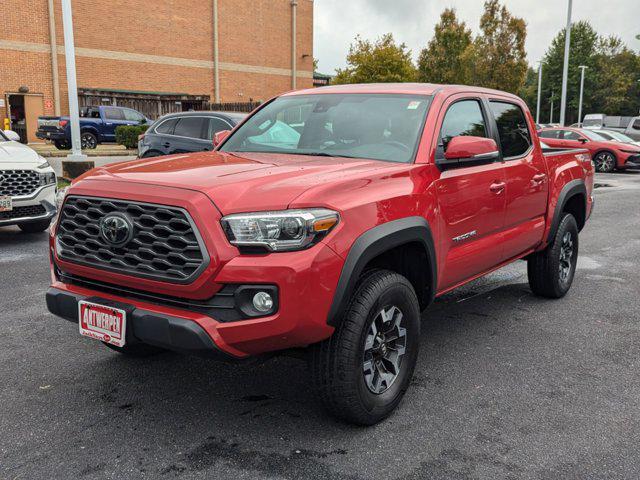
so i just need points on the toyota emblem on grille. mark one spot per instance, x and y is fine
(116, 229)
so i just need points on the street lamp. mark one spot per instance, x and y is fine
(551, 112)
(72, 83)
(539, 92)
(565, 69)
(583, 68)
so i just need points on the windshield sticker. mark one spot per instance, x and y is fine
(414, 105)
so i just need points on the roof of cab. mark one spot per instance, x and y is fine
(399, 88)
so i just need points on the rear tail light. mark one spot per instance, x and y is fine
(63, 123)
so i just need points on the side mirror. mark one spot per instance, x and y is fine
(583, 140)
(220, 137)
(11, 135)
(468, 151)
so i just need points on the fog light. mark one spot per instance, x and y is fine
(262, 302)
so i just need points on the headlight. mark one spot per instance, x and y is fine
(280, 231)
(47, 178)
(45, 163)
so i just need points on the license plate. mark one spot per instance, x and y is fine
(48, 134)
(6, 204)
(103, 323)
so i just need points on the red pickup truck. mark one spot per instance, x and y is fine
(326, 223)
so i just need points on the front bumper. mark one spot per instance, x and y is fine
(42, 202)
(145, 326)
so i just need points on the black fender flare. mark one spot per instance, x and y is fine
(374, 242)
(570, 190)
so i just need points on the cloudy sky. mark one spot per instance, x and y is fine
(337, 22)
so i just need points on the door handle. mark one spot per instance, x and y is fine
(497, 187)
(540, 178)
(166, 145)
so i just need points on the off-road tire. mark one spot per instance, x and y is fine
(337, 363)
(544, 268)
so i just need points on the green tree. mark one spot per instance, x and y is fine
(497, 57)
(582, 51)
(441, 61)
(611, 85)
(381, 62)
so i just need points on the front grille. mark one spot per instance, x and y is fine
(23, 212)
(165, 244)
(18, 183)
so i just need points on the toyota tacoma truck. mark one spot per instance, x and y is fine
(323, 224)
(27, 186)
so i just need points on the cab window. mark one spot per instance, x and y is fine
(513, 130)
(463, 118)
(569, 135)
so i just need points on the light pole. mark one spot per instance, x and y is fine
(551, 112)
(565, 69)
(72, 83)
(583, 68)
(539, 92)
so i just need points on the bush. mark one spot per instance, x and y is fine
(127, 135)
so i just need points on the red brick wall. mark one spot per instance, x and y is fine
(253, 33)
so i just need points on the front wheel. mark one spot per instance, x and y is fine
(362, 372)
(551, 271)
(605, 162)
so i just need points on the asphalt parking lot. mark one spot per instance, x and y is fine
(507, 386)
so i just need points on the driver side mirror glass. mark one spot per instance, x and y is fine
(220, 137)
(583, 140)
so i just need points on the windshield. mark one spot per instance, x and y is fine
(592, 122)
(591, 135)
(378, 127)
(616, 136)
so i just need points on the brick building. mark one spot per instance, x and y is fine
(154, 55)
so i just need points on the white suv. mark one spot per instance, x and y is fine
(27, 186)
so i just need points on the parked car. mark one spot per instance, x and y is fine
(617, 137)
(185, 132)
(608, 155)
(331, 244)
(630, 126)
(97, 125)
(27, 186)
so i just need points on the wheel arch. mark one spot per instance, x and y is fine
(572, 199)
(390, 246)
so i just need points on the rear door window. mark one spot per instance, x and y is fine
(513, 130)
(550, 134)
(167, 126)
(464, 118)
(569, 135)
(113, 113)
(191, 127)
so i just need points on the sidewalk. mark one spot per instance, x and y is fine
(49, 150)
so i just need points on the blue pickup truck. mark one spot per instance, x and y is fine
(97, 125)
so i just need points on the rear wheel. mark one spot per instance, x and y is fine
(364, 369)
(138, 350)
(35, 227)
(551, 271)
(62, 145)
(605, 162)
(88, 140)
(151, 154)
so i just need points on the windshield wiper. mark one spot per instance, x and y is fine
(322, 154)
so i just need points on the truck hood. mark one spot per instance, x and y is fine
(240, 182)
(14, 152)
